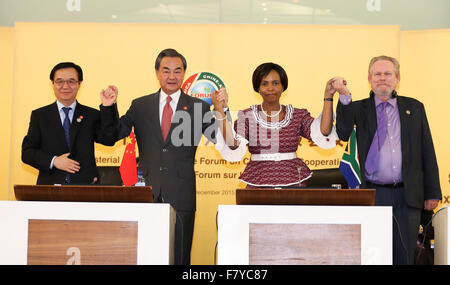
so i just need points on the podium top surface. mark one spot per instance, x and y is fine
(84, 193)
(305, 196)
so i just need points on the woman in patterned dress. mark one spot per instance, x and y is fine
(272, 131)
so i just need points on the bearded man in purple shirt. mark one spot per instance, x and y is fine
(396, 152)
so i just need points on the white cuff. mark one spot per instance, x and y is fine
(232, 155)
(51, 163)
(325, 142)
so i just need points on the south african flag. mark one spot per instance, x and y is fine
(349, 164)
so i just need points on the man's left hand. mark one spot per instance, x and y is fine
(430, 205)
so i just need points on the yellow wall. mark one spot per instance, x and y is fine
(124, 55)
(6, 85)
(425, 73)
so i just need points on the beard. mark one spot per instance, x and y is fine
(383, 92)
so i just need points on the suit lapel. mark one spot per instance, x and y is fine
(79, 116)
(404, 112)
(55, 121)
(370, 110)
(153, 115)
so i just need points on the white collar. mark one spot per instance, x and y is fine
(273, 125)
(61, 105)
(175, 97)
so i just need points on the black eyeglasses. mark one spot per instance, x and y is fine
(70, 82)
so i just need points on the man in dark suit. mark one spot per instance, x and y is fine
(168, 126)
(61, 136)
(396, 152)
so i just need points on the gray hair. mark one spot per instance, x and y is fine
(388, 58)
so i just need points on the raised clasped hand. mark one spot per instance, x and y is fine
(340, 85)
(109, 96)
(220, 99)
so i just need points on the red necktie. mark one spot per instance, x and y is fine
(166, 118)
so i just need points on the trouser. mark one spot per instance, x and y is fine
(405, 222)
(184, 230)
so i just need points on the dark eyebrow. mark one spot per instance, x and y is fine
(166, 68)
(71, 78)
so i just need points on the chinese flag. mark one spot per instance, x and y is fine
(128, 169)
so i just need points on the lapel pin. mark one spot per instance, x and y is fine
(408, 112)
(79, 119)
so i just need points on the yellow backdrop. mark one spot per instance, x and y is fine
(425, 69)
(6, 85)
(124, 55)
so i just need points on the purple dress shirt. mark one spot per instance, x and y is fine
(389, 168)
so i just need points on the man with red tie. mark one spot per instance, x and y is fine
(396, 152)
(168, 126)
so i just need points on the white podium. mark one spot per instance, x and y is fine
(249, 234)
(86, 233)
(441, 237)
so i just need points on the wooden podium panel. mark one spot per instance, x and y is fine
(305, 196)
(441, 225)
(295, 229)
(288, 247)
(65, 242)
(86, 233)
(83, 193)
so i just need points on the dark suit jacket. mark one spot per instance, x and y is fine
(45, 139)
(419, 167)
(169, 165)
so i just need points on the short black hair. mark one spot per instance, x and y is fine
(63, 65)
(264, 69)
(170, 52)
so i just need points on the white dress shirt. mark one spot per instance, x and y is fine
(62, 115)
(163, 99)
